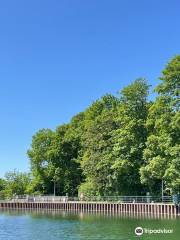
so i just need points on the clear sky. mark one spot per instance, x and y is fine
(57, 56)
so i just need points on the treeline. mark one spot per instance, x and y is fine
(120, 145)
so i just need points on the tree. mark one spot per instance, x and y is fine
(2, 188)
(96, 156)
(163, 144)
(53, 158)
(40, 159)
(64, 154)
(16, 183)
(129, 139)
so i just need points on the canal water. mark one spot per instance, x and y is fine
(53, 225)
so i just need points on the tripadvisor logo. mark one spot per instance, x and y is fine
(139, 231)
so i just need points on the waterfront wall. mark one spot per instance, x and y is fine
(147, 208)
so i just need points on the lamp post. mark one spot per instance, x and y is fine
(54, 187)
(162, 189)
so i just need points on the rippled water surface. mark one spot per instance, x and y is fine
(76, 226)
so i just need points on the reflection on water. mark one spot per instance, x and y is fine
(54, 225)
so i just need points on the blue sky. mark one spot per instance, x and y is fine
(56, 57)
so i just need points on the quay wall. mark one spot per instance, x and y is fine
(111, 207)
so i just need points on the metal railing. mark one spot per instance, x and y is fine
(131, 199)
(119, 199)
(49, 198)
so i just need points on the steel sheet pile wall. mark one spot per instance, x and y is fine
(153, 208)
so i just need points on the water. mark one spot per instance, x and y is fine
(81, 226)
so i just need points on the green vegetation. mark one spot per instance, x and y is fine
(14, 183)
(162, 153)
(123, 145)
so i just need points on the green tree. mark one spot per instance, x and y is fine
(2, 188)
(64, 154)
(162, 153)
(40, 158)
(53, 158)
(96, 157)
(129, 139)
(16, 183)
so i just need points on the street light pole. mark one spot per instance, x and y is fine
(54, 188)
(162, 188)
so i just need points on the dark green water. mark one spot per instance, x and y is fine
(81, 226)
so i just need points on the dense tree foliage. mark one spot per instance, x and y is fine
(2, 187)
(120, 145)
(130, 137)
(54, 163)
(96, 157)
(162, 153)
(14, 183)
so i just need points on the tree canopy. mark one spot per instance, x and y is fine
(162, 153)
(119, 145)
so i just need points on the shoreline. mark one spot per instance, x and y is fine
(108, 207)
